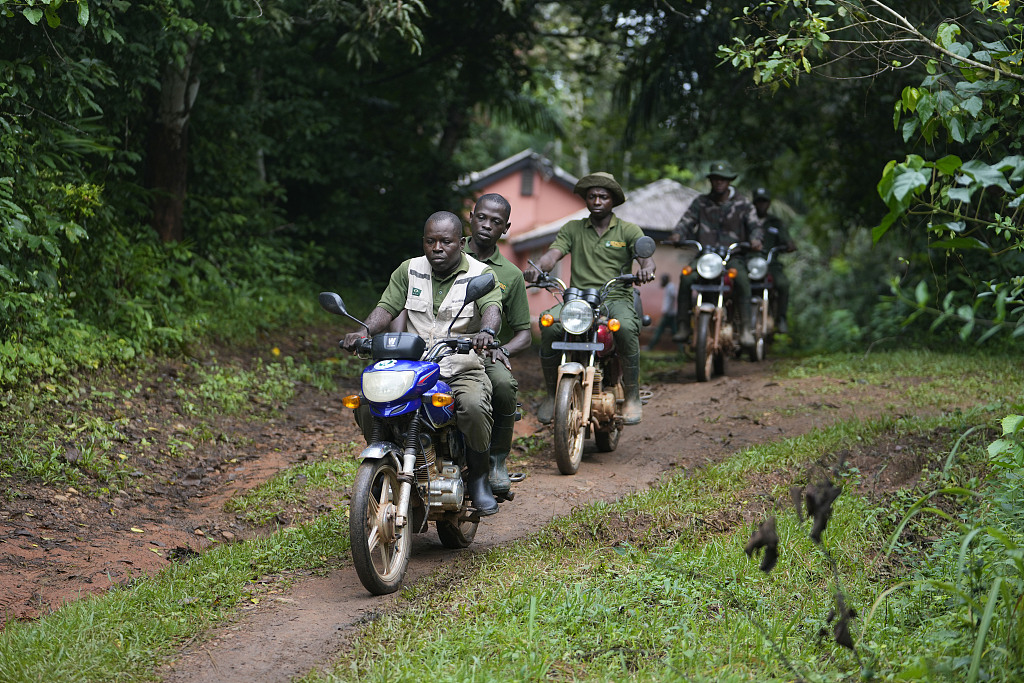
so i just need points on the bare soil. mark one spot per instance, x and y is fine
(57, 545)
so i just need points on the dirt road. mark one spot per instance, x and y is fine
(686, 424)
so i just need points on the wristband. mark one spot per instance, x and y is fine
(489, 331)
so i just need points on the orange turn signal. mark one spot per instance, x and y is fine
(547, 320)
(352, 401)
(614, 325)
(441, 400)
(732, 273)
(687, 270)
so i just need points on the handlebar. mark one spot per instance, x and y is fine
(443, 348)
(446, 347)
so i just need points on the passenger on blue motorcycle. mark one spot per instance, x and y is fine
(432, 289)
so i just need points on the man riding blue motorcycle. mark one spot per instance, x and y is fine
(432, 290)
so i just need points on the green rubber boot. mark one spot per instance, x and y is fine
(632, 407)
(549, 364)
(501, 445)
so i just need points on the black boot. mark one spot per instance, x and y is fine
(477, 487)
(632, 407)
(549, 364)
(501, 444)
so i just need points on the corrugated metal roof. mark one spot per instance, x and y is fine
(656, 207)
(526, 158)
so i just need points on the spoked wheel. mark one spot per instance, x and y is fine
(458, 531)
(569, 427)
(760, 312)
(703, 350)
(609, 441)
(380, 550)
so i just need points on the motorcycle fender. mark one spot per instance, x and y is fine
(571, 368)
(381, 450)
(707, 308)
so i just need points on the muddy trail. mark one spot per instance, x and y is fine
(57, 544)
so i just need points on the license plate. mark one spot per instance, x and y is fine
(577, 346)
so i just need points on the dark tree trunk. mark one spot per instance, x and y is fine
(168, 148)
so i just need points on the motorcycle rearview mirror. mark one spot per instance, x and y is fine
(644, 247)
(477, 287)
(332, 303)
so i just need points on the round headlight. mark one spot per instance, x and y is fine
(380, 387)
(709, 266)
(577, 316)
(757, 267)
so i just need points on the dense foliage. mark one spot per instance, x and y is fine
(960, 187)
(172, 170)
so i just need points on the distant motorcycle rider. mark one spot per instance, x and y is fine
(488, 222)
(775, 235)
(431, 290)
(601, 246)
(721, 217)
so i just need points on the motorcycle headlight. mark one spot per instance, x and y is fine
(757, 267)
(577, 316)
(709, 266)
(380, 387)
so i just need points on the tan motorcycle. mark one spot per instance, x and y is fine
(589, 392)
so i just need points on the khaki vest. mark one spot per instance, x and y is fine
(433, 329)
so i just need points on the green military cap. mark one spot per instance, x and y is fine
(762, 194)
(722, 169)
(600, 179)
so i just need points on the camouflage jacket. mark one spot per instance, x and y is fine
(711, 223)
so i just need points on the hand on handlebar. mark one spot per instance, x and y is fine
(645, 275)
(352, 341)
(534, 276)
(482, 341)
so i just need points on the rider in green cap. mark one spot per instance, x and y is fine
(601, 246)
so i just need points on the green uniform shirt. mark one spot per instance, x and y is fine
(595, 260)
(394, 297)
(515, 309)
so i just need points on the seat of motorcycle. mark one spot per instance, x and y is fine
(398, 346)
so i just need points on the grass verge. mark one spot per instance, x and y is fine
(655, 588)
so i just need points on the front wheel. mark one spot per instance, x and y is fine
(704, 348)
(380, 549)
(759, 315)
(569, 427)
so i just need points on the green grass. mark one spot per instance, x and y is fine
(122, 634)
(681, 601)
(294, 486)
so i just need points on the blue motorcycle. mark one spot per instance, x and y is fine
(412, 468)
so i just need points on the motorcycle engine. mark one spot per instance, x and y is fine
(447, 490)
(602, 406)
